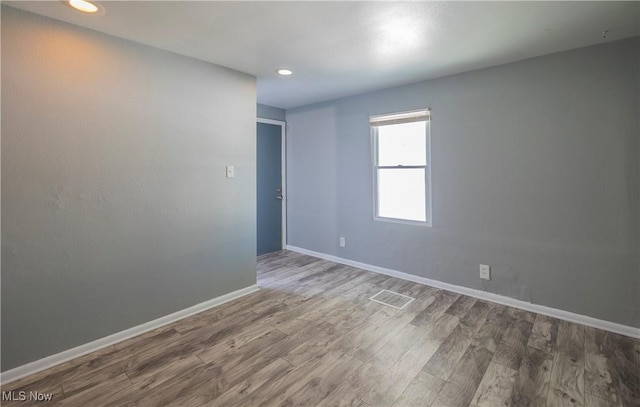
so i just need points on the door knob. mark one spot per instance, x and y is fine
(279, 194)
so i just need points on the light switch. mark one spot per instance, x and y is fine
(230, 171)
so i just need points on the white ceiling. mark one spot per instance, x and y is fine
(342, 48)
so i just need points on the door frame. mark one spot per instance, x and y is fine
(283, 172)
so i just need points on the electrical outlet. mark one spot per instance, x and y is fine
(230, 171)
(343, 242)
(485, 272)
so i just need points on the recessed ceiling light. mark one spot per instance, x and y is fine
(84, 6)
(285, 72)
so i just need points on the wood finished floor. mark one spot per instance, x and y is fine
(311, 337)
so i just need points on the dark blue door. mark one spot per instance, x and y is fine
(269, 165)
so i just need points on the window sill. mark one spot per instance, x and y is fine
(403, 221)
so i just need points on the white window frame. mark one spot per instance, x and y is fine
(396, 118)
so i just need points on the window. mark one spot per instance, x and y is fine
(401, 147)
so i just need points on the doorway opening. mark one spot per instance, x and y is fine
(271, 183)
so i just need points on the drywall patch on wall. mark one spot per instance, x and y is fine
(116, 206)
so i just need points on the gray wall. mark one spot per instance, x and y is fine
(271, 112)
(535, 172)
(115, 204)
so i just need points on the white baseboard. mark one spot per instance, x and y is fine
(69, 354)
(483, 295)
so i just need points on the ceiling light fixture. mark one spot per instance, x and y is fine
(284, 72)
(84, 6)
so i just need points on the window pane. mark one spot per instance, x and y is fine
(402, 144)
(401, 194)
